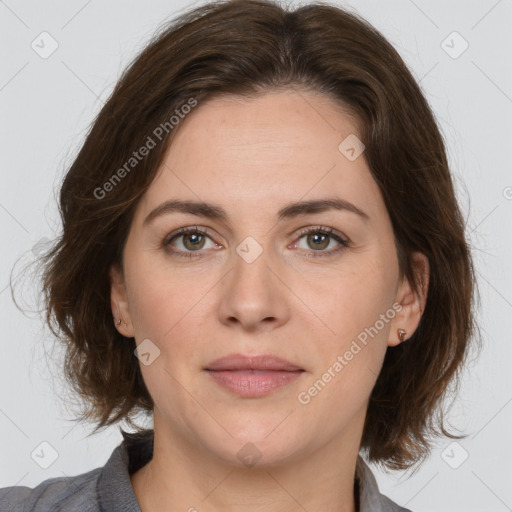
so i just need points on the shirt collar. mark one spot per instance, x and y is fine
(116, 494)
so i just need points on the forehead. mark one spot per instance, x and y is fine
(264, 151)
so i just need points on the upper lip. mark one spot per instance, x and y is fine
(242, 362)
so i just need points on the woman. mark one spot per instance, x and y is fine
(264, 207)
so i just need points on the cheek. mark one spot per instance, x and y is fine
(170, 310)
(161, 297)
(338, 394)
(349, 360)
(357, 315)
(351, 297)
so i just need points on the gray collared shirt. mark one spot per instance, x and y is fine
(108, 489)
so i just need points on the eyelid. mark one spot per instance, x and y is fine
(322, 229)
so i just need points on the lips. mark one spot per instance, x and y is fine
(252, 376)
(236, 362)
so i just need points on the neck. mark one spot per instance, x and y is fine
(185, 476)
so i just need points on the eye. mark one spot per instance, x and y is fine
(193, 240)
(187, 241)
(320, 238)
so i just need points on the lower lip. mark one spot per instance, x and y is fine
(253, 383)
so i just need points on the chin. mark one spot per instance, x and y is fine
(254, 447)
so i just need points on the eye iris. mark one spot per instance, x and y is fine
(196, 238)
(316, 237)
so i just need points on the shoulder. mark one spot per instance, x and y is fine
(54, 495)
(371, 499)
(104, 488)
(391, 506)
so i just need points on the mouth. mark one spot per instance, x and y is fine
(252, 376)
(260, 363)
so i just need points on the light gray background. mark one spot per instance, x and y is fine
(46, 106)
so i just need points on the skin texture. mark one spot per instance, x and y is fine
(252, 157)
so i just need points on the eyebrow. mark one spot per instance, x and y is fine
(215, 212)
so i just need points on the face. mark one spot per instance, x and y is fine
(318, 287)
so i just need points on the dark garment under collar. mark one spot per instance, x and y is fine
(108, 488)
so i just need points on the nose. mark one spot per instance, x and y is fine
(254, 295)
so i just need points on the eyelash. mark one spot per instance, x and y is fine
(166, 242)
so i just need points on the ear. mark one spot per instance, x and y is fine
(412, 302)
(119, 302)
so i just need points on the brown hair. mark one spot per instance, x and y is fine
(248, 47)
